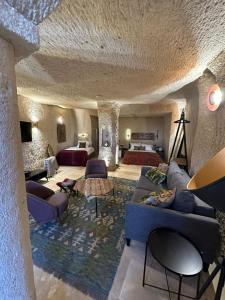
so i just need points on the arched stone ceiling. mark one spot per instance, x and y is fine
(131, 51)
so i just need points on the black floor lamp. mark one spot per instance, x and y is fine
(181, 126)
(209, 185)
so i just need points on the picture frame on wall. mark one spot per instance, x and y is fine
(143, 136)
(61, 133)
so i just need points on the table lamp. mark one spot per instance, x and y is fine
(209, 185)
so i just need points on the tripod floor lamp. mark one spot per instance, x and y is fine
(209, 185)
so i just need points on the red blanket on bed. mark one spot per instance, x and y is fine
(142, 158)
(72, 157)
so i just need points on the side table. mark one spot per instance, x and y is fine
(123, 151)
(36, 175)
(161, 153)
(176, 254)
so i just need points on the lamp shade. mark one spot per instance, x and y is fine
(209, 182)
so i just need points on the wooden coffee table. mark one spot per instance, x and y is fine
(94, 187)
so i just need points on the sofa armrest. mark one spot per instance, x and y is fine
(41, 210)
(38, 190)
(203, 231)
(144, 170)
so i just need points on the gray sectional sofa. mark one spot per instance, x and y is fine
(200, 226)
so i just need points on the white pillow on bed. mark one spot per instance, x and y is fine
(134, 144)
(88, 144)
(147, 147)
(81, 142)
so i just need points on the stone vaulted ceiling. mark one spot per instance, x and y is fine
(131, 51)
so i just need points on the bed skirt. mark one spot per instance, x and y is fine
(72, 158)
(142, 158)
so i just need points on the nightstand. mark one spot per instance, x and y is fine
(123, 151)
(161, 153)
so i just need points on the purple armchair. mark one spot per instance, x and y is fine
(96, 168)
(44, 204)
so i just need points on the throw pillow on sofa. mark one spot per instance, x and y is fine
(163, 167)
(184, 202)
(164, 199)
(156, 176)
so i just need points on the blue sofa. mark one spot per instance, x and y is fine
(200, 226)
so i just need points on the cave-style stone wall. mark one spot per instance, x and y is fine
(209, 136)
(47, 116)
(16, 273)
(207, 133)
(34, 10)
(108, 116)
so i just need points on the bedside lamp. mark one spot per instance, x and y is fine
(83, 135)
(209, 185)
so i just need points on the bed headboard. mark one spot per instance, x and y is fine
(150, 136)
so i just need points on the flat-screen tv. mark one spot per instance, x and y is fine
(26, 131)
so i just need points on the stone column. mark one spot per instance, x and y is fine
(16, 272)
(108, 116)
(18, 39)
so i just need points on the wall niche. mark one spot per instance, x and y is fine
(106, 137)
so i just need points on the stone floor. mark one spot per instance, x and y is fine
(128, 280)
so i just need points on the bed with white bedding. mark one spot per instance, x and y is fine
(89, 150)
(75, 156)
(142, 154)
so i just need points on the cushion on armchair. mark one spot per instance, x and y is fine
(96, 168)
(58, 200)
(184, 202)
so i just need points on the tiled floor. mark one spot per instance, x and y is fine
(128, 281)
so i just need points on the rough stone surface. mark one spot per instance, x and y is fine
(207, 135)
(20, 32)
(34, 10)
(34, 152)
(217, 67)
(129, 51)
(16, 275)
(108, 118)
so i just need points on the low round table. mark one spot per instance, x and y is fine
(176, 254)
(94, 187)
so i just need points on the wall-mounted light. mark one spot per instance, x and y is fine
(214, 97)
(128, 134)
(83, 135)
(34, 124)
(60, 120)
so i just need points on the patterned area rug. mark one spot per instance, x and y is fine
(85, 252)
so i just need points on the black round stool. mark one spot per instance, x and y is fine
(176, 254)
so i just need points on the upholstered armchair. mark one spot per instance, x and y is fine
(43, 203)
(96, 168)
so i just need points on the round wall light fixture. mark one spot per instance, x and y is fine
(214, 97)
(60, 120)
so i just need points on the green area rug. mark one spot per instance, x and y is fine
(85, 251)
